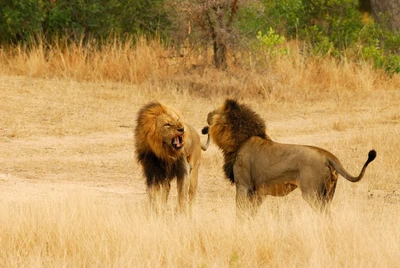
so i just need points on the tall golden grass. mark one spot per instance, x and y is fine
(143, 61)
(84, 232)
(72, 194)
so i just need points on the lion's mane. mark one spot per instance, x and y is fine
(234, 124)
(158, 159)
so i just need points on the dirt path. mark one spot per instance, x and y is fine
(98, 165)
(21, 189)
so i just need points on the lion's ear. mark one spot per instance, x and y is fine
(231, 105)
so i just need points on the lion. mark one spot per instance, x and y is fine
(167, 148)
(259, 166)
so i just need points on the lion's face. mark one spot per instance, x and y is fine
(160, 129)
(171, 130)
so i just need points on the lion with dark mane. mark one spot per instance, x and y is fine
(167, 148)
(259, 166)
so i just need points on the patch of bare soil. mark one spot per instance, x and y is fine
(100, 165)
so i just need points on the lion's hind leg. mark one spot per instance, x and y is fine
(320, 194)
(330, 186)
(327, 191)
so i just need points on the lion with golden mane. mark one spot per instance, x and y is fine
(167, 148)
(259, 166)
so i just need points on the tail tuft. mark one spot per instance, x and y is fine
(204, 131)
(371, 156)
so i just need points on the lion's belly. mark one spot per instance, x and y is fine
(277, 189)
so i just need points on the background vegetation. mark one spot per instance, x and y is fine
(334, 28)
(23, 21)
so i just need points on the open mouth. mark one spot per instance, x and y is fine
(177, 142)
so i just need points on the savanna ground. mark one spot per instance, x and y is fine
(73, 195)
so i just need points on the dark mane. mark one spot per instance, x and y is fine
(244, 123)
(157, 170)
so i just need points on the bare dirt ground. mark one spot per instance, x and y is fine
(61, 137)
(53, 166)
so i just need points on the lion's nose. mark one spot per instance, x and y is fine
(181, 129)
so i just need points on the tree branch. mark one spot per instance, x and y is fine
(233, 12)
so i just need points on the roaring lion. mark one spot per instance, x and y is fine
(259, 166)
(166, 148)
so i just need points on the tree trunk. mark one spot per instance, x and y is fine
(220, 55)
(388, 12)
(219, 38)
(365, 6)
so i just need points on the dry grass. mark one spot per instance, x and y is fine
(72, 194)
(78, 232)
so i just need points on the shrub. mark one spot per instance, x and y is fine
(22, 20)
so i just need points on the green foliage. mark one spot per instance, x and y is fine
(270, 39)
(332, 27)
(19, 19)
(390, 62)
(270, 43)
(79, 19)
(339, 20)
(380, 46)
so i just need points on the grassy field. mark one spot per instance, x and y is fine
(73, 195)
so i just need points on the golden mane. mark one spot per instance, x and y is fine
(148, 137)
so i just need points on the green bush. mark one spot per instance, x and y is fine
(23, 20)
(380, 46)
(269, 43)
(20, 19)
(334, 27)
(330, 26)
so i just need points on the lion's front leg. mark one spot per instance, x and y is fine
(183, 194)
(244, 204)
(194, 173)
(154, 196)
(158, 193)
(183, 184)
(165, 188)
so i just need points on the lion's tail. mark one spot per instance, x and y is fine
(204, 131)
(340, 169)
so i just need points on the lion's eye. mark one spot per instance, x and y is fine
(167, 125)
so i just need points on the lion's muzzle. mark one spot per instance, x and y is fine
(177, 141)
